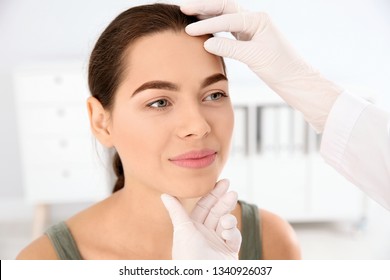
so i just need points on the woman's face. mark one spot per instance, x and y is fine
(172, 119)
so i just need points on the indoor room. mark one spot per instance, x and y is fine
(52, 166)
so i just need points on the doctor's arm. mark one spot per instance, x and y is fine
(356, 139)
(356, 142)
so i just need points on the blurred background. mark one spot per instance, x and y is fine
(51, 168)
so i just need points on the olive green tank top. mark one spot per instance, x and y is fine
(66, 248)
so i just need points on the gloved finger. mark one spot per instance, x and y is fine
(224, 206)
(230, 48)
(202, 208)
(216, 243)
(232, 238)
(176, 211)
(224, 23)
(210, 7)
(226, 222)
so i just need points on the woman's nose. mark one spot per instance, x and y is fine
(192, 124)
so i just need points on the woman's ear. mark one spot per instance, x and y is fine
(99, 120)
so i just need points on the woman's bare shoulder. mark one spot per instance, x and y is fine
(40, 249)
(278, 238)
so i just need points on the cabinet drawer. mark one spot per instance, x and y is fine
(333, 196)
(56, 119)
(280, 185)
(51, 87)
(55, 149)
(61, 183)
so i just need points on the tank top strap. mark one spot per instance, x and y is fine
(63, 242)
(66, 248)
(251, 246)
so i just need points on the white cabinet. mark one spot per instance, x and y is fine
(59, 156)
(275, 163)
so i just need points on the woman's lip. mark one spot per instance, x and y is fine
(195, 159)
(194, 154)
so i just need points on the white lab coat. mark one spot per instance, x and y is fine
(356, 142)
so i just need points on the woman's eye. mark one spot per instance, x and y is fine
(161, 103)
(215, 96)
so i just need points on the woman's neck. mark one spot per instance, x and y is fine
(142, 219)
(145, 204)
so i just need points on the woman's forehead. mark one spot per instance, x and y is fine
(170, 52)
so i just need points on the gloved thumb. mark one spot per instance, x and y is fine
(177, 213)
(228, 48)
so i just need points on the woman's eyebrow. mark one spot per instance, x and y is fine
(213, 79)
(156, 85)
(174, 87)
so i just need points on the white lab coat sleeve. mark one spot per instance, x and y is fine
(356, 142)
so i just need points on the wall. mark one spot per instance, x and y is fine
(348, 40)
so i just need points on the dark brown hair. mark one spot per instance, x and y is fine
(106, 64)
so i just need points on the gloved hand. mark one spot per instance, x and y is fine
(263, 48)
(209, 232)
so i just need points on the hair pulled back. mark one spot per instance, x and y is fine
(106, 64)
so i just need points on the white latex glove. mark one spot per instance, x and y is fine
(263, 48)
(210, 232)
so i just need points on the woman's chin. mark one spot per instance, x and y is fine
(193, 191)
